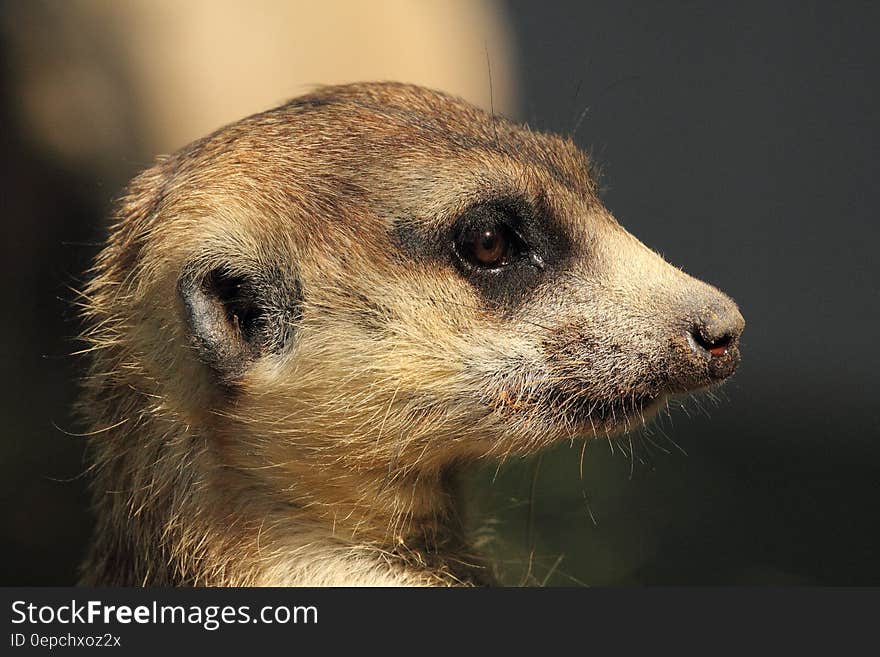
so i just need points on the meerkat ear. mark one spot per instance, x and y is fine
(234, 319)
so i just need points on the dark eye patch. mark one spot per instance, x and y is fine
(539, 248)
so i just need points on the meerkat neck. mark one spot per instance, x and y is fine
(228, 526)
(369, 530)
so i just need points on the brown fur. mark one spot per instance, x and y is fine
(332, 459)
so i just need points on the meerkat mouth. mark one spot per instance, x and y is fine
(582, 415)
(610, 418)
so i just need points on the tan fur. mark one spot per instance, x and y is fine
(333, 461)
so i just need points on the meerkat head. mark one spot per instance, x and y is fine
(381, 278)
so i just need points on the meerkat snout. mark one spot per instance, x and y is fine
(303, 324)
(705, 343)
(715, 335)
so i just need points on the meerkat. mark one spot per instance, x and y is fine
(304, 325)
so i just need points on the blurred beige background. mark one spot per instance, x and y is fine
(106, 79)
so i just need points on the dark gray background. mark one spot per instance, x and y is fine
(738, 141)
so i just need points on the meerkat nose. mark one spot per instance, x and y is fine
(715, 334)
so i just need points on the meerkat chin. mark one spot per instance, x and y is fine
(302, 325)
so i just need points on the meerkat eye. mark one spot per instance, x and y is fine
(486, 246)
